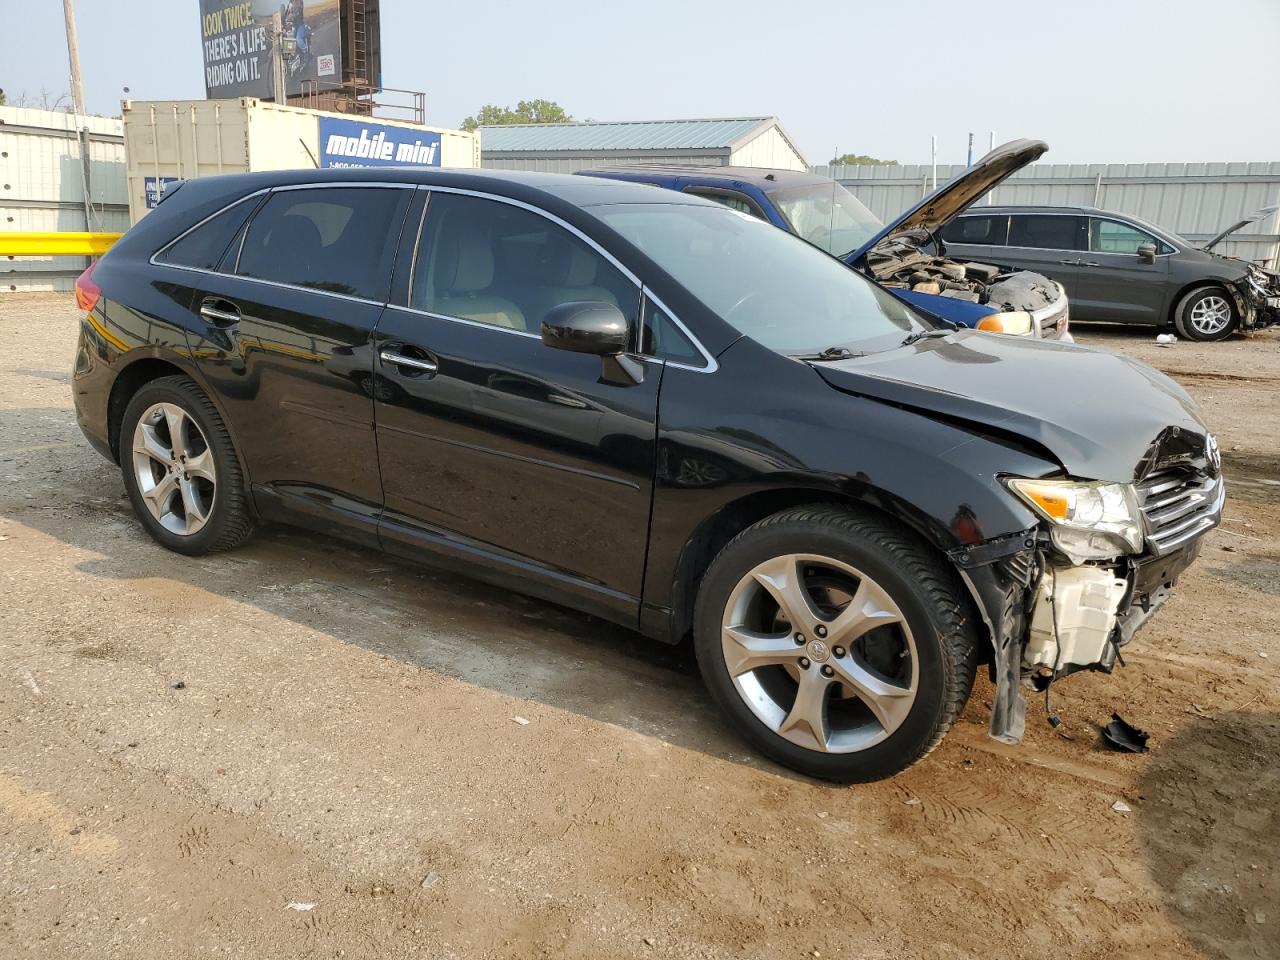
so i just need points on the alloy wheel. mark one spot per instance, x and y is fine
(1210, 315)
(820, 653)
(174, 469)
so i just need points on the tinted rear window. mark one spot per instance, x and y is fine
(1047, 232)
(339, 239)
(992, 231)
(204, 246)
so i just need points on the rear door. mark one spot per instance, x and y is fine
(1114, 282)
(286, 325)
(1051, 244)
(517, 459)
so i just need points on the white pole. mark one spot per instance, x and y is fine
(73, 55)
(933, 152)
(991, 145)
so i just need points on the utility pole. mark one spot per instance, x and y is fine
(73, 54)
(77, 107)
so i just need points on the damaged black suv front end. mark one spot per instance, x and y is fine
(1070, 593)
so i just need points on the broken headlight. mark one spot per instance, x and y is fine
(1088, 521)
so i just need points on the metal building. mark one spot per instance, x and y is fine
(1194, 200)
(570, 147)
(45, 178)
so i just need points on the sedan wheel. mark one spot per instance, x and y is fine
(174, 469)
(820, 653)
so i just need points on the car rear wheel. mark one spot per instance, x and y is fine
(180, 469)
(1206, 314)
(835, 643)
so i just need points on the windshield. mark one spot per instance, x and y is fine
(777, 290)
(828, 216)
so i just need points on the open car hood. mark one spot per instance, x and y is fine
(946, 203)
(1101, 415)
(1251, 218)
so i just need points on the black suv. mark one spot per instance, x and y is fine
(1120, 269)
(651, 408)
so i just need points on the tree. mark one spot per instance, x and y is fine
(3, 101)
(526, 111)
(860, 160)
(44, 100)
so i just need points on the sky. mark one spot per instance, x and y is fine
(1121, 81)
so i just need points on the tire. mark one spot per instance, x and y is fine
(1206, 314)
(837, 553)
(194, 505)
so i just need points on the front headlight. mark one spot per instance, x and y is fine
(1090, 521)
(1016, 322)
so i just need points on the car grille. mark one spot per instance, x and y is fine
(1179, 506)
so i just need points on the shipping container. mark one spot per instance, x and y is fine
(167, 140)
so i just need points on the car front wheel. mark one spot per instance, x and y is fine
(1206, 314)
(835, 643)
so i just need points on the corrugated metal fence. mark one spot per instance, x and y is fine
(1196, 200)
(42, 188)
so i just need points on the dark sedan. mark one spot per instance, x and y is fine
(651, 408)
(1120, 269)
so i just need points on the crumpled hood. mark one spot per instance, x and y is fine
(1101, 415)
(946, 203)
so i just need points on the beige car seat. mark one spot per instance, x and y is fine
(463, 274)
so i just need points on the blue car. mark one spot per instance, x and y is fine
(907, 256)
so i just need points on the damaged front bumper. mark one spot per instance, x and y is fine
(1048, 618)
(1257, 297)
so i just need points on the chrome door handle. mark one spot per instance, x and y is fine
(413, 363)
(1090, 263)
(218, 316)
(1070, 263)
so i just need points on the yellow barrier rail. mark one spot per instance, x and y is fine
(57, 244)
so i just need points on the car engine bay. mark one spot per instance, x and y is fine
(901, 261)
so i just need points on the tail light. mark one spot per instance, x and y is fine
(88, 293)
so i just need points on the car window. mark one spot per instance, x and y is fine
(338, 239)
(492, 262)
(1111, 236)
(1047, 231)
(204, 246)
(767, 283)
(731, 200)
(991, 230)
(663, 339)
(828, 216)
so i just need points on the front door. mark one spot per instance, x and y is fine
(1114, 282)
(286, 346)
(511, 456)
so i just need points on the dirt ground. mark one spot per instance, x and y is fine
(304, 749)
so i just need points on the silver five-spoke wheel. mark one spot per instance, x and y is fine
(820, 653)
(1211, 315)
(174, 469)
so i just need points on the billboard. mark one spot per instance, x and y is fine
(236, 38)
(359, 143)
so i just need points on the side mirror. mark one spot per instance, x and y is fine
(596, 327)
(1147, 252)
(586, 326)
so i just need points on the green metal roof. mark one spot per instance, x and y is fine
(622, 135)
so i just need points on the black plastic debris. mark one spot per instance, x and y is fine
(1122, 735)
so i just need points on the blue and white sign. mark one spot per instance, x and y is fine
(358, 143)
(153, 187)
